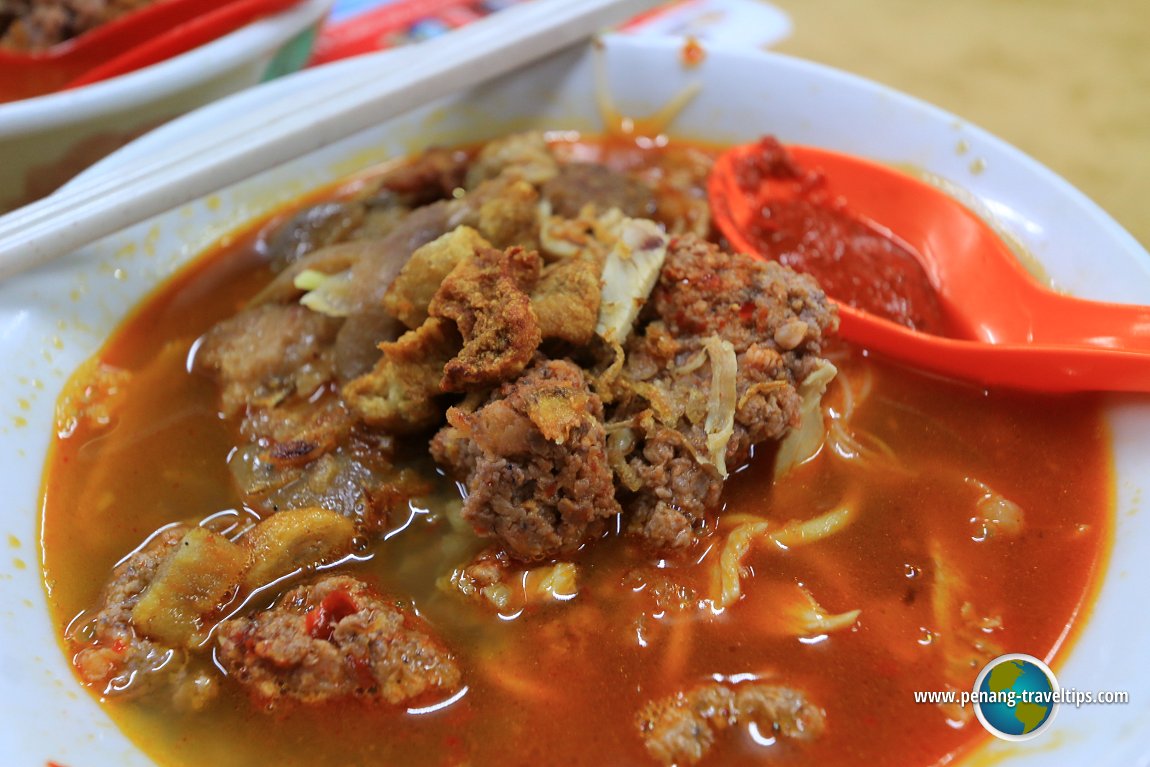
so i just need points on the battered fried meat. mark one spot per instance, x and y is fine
(399, 393)
(418, 281)
(535, 462)
(115, 654)
(704, 290)
(566, 300)
(484, 296)
(773, 321)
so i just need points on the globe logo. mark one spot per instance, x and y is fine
(1016, 696)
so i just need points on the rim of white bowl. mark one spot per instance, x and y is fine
(284, 87)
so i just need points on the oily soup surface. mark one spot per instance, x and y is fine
(977, 522)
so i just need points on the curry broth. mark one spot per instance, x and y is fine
(562, 683)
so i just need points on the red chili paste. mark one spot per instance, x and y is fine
(803, 225)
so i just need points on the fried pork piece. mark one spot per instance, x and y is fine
(418, 281)
(33, 25)
(460, 277)
(682, 728)
(524, 156)
(566, 299)
(667, 422)
(775, 319)
(674, 490)
(580, 184)
(263, 354)
(335, 639)
(399, 393)
(714, 373)
(115, 655)
(535, 462)
(484, 295)
(510, 217)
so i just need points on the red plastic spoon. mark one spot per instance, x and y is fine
(137, 39)
(1007, 329)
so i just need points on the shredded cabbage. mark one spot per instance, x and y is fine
(811, 530)
(805, 440)
(726, 583)
(720, 423)
(963, 633)
(629, 273)
(728, 587)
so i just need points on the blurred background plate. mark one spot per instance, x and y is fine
(45, 141)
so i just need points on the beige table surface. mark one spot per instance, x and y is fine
(1066, 81)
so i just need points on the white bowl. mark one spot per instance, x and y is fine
(53, 319)
(46, 140)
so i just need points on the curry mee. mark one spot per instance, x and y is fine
(496, 454)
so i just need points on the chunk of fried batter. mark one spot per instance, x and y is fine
(535, 462)
(415, 285)
(336, 639)
(399, 392)
(522, 155)
(484, 295)
(566, 300)
(771, 320)
(511, 217)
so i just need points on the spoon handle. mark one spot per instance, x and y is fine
(1064, 320)
(1049, 367)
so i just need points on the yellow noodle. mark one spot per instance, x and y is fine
(726, 584)
(812, 619)
(731, 562)
(800, 533)
(735, 519)
(962, 635)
